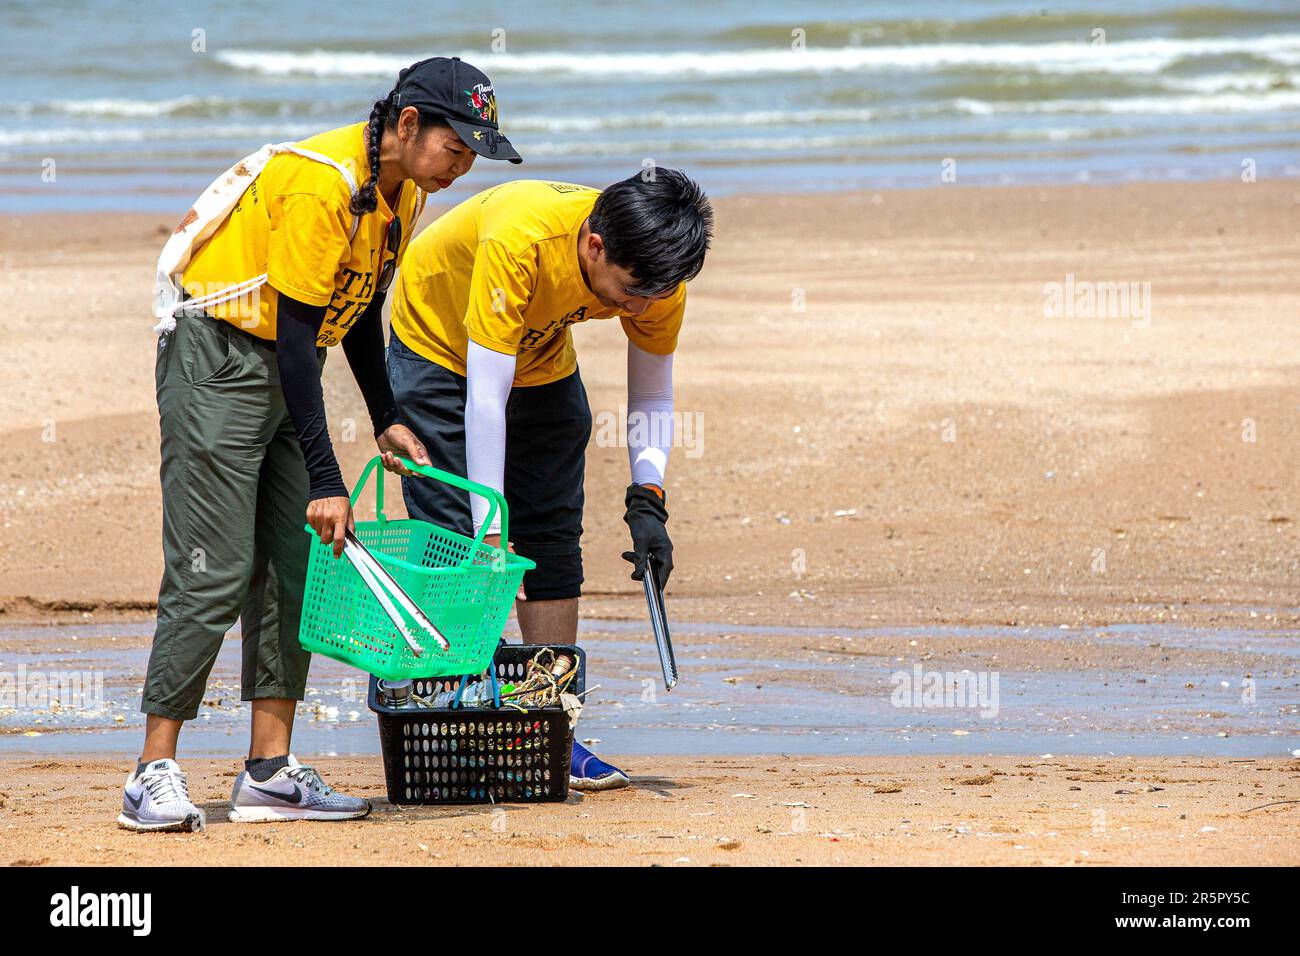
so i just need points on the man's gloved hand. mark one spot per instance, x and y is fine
(646, 517)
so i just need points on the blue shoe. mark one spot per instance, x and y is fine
(589, 772)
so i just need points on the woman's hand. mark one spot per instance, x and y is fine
(400, 440)
(330, 518)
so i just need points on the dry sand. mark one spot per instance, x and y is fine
(893, 433)
(713, 811)
(824, 489)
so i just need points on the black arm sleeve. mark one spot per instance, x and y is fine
(364, 347)
(297, 325)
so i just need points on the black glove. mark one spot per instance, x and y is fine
(646, 517)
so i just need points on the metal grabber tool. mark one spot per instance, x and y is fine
(386, 589)
(654, 597)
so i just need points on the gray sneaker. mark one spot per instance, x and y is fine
(295, 792)
(158, 799)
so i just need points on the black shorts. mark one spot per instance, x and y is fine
(547, 429)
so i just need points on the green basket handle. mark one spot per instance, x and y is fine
(496, 501)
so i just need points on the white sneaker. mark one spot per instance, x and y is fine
(158, 799)
(295, 792)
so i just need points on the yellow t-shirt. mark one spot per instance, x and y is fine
(293, 223)
(502, 269)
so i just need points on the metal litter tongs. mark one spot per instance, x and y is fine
(385, 589)
(654, 597)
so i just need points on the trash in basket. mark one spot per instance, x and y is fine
(474, 749)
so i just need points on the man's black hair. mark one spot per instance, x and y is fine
(657, 225)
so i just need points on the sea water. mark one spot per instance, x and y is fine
(127, 105)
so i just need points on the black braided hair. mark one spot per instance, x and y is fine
(366, 200)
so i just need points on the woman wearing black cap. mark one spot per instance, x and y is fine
(300, 262)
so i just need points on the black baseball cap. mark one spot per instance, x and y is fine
(452, 88)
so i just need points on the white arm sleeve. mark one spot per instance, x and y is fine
(488, 380)
(649, 414)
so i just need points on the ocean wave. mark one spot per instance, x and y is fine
(198, 107)
(146, 142)
(199, 135)
(1227, 101)
(1040, 24)
(715, 122)
(1191, 104)
(133, 108)
(561, 147)
(693, 120)
(1144, 56)
(1222, 92)
(1243, 82)
(737, 146)
(113, 108)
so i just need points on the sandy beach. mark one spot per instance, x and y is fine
(887, 432)
(891, 428)
(715, 812)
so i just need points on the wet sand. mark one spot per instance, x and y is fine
(1163, 690)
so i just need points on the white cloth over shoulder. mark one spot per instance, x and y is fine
(209, 211)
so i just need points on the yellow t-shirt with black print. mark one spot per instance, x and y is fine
(293, 223)
(502, 269)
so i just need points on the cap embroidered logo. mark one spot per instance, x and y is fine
(483, 100)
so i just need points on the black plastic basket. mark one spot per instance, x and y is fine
(478, 754)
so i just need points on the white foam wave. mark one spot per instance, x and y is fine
(200, 135)
(133, 108)
(559, 147)
(695, 120)
(1144, 56)
(1192, 104)
(1244, 82)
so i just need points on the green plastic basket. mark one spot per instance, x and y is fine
(464, 586)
